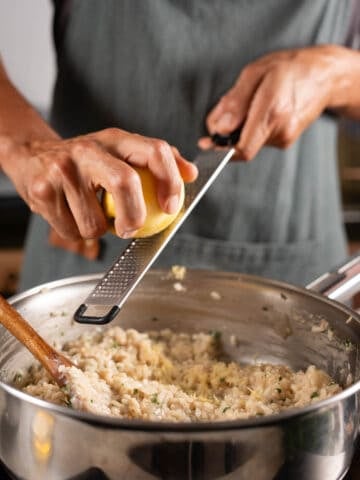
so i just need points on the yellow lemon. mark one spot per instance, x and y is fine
(156, 219)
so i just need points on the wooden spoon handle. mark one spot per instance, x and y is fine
(23, 331)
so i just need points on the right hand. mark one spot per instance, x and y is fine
(59, 179)
(276, 97)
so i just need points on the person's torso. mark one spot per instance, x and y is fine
(157, 68)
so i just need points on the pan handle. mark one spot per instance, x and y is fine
(342, 282)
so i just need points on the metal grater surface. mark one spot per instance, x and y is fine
(105, 301)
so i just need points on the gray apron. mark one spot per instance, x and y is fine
(157, 67)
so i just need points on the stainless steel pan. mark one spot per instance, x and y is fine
(272, 322)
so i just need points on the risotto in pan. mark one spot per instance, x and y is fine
(173, 376)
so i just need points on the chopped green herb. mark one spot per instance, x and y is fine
(115, 344)
(18, 377)
(225, 409)
(215, 334)
(154, 398)
(91, 400)
(222, 379)
(314, 395)
(135, 391)
(278, 390)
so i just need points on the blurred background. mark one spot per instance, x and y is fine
(26, 48)
(27, 51)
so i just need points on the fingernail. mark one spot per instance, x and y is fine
(172, 204)
(225, 122)
(205, 143)
(90, 242)
(128, 234)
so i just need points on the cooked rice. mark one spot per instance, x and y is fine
(173, 376)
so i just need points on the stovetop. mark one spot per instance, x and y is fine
(96, 474)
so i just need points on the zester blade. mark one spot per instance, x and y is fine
(112, 291)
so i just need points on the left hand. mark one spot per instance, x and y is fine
(275, 98)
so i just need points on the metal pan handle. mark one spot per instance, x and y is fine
(342, 282)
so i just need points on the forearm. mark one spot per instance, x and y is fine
(19, 121)
(345, 91)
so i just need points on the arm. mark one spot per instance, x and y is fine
(276, 97)
(346, 83)
(18, 120)
(59, 179)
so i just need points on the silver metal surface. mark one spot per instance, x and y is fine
(113, 289)
(341, 283)
(270, 321)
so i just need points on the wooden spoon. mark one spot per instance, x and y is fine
(23, 331)
(81, 389)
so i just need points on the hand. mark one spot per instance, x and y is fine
(276, 97)
(59, 179)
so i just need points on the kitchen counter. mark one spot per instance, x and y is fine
(14, 217)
